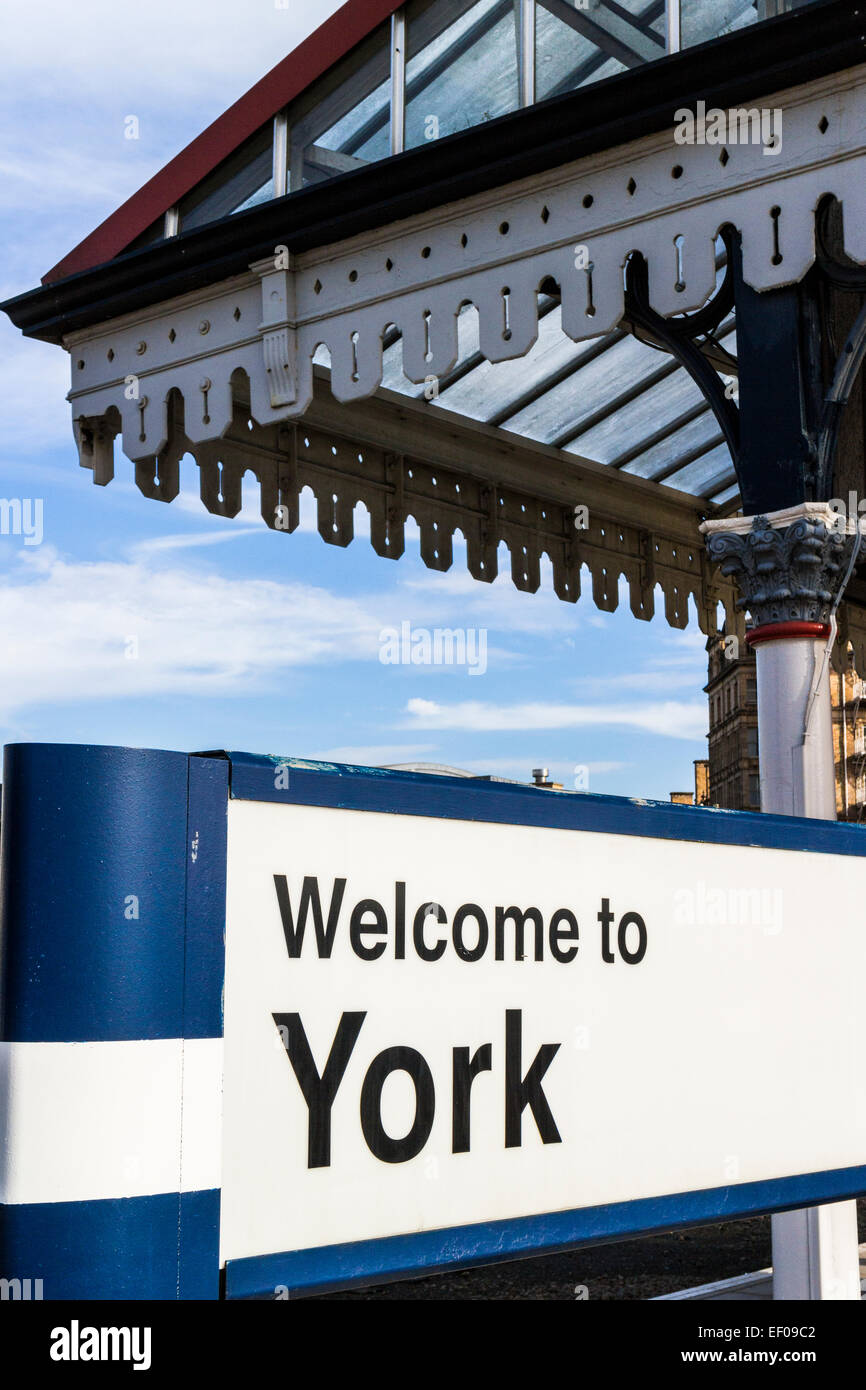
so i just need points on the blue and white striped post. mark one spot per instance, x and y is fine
(111, 973)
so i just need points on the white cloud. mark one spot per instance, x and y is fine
(80, 179)
(520, 769)
(34, 379)
(74, 73)
(675, 719)
(378, 754)
(217, 46)
(498, 605)
(186, 540)
(690, 676)
(67, 626)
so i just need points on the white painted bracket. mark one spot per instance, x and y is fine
(279, 330)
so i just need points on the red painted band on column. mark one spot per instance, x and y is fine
(775, 632)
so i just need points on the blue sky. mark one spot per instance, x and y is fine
(247, 638)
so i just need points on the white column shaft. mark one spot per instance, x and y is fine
(815, 1252)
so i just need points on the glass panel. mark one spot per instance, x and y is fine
(489, 393)
(576, 44)
(709, 19)
(727, 495)
(364, 133)
(154, 233)
(655, 462)
(556, 416)
(240, 182)
(705, 475)
(344, 120)
(261, 195)
(623, 431)
(462, 67)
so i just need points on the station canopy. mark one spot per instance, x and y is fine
(451, 260)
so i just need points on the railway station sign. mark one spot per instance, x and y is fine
(338, 1025)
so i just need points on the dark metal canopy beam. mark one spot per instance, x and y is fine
(776, 452)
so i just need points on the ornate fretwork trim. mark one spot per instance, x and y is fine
(576, 226)
(404, 461)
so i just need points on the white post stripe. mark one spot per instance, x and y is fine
(90, 1120)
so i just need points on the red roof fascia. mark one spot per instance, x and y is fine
(329, 43)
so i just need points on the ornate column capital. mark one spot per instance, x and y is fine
(788, 565)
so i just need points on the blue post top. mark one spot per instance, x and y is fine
(93, 893)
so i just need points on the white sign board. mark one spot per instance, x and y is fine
(438, 1023)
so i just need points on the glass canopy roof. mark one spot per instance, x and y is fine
(441, 66)
(612, 399)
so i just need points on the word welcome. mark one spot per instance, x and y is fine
(370, 928)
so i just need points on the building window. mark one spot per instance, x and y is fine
(752, 690)
(754, 789)
(752, 741)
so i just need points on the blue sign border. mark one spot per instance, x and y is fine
(254, 778)
(365, 1262)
